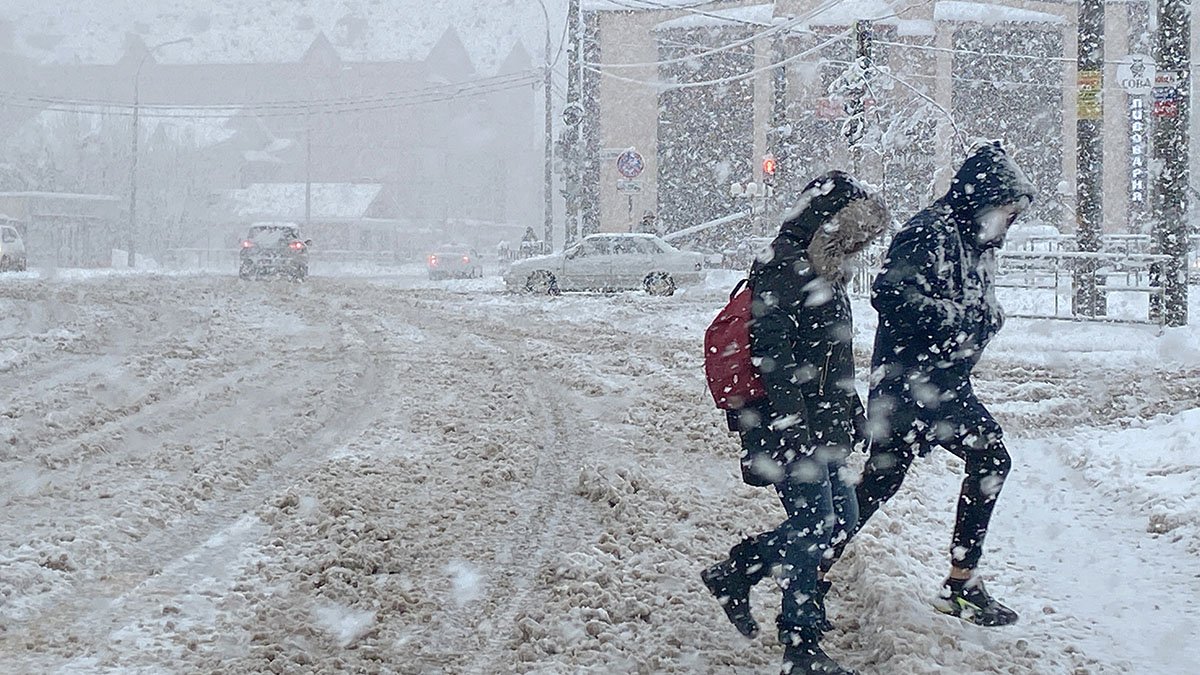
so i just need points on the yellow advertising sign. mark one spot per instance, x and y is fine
(1089, 105)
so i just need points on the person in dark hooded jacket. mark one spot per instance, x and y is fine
(937, 312)
(798, 436)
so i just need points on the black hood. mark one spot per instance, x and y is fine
(988, 178)
(835, 217)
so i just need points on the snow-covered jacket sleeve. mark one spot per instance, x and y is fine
(913, 291)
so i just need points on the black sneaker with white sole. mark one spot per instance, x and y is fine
(970, 601)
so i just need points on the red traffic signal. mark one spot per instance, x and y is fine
(769, 164)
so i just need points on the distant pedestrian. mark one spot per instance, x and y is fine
(649, 224)
(937, 312)
(797, 438)
(530, 245)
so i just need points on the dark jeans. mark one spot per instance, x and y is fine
(988, 464)
(821, 509)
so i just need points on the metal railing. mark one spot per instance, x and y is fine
(1056, 271)
(227, 258)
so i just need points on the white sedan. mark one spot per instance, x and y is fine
(609, 262)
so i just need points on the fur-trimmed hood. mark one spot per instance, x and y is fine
(835, 218)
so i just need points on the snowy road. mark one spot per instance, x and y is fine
(390, 475)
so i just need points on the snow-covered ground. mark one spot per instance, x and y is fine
(378, 473)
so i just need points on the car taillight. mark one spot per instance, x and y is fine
(247, 244)
(296, 246)
(466, 259)
(433, 261)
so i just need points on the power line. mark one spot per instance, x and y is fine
(953, 78)
(691, 9)
(521, 78)
(780, 27)
(716, 50)
(1000, 55)
(286, 108)
(723, 80)
(227, 111)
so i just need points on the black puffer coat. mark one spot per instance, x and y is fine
(802, 334)
(937, 306)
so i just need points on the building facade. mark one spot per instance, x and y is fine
(446, 142)
(706, 93)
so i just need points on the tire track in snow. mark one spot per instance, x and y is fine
(126, 591)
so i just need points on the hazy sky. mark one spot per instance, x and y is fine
(274, 30)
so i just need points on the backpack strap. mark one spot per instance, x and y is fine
(737, 288)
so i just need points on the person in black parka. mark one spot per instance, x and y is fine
(937, 312)
(797, 437)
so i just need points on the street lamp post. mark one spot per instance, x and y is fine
(548, 142)
(137, 81)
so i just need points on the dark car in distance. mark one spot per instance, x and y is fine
(274, 250)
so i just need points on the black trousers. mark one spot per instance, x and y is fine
(988, 464)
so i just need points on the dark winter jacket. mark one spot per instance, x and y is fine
(936, 300)
(802, 333)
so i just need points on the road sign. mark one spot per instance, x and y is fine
(630, 164)
(572, 114)
(629, 187)
(1136, 73)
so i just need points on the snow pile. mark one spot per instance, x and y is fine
(1154, 468)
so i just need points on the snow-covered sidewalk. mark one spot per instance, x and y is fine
(392, 475)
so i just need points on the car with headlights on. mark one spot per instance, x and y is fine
(609, 262)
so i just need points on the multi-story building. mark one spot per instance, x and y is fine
(704, 93)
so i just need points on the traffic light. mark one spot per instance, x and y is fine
(769, 164)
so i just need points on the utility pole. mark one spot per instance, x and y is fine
(1089, 298)
(548, 140)
(131, 244)
(777, 169)
(548, 171)
(573, 117)
(1171, 148)
(133, 167)
(307, 168)
(856, 123)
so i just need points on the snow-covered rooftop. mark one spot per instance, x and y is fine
(270, 31)
(638, 5)
(846, 13)
(978, 12)
(179, 126)
(757, 14)
(74, 196)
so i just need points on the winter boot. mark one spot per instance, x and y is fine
(802, 655)
(823, 624)
(970, 601)
(730, 581)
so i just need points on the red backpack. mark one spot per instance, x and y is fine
(732, 378)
